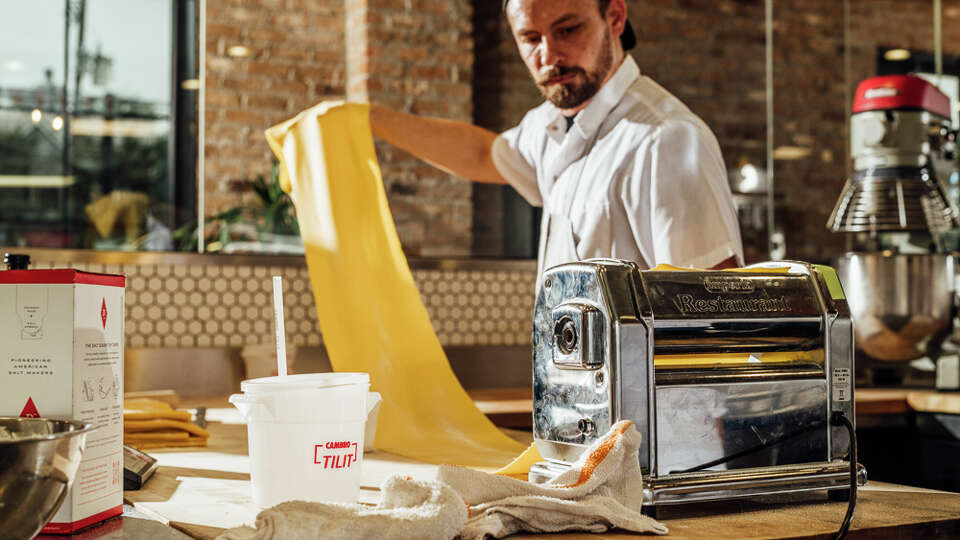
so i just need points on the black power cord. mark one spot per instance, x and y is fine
(839, 419)
(754, 449)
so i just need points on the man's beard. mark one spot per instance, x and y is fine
(571, 94)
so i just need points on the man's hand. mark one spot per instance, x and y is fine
(456, 147)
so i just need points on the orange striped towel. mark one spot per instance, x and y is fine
(603, 490)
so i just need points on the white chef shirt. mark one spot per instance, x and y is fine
(637, 177)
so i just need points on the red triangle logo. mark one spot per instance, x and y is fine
(29, 410)
(103, 313)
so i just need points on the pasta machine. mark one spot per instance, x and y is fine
(731, 377)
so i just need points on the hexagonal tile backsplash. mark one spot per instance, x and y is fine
(208, 305)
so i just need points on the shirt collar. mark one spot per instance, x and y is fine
(589, 119)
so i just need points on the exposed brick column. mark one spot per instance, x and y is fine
(416, 56)
(295, 60)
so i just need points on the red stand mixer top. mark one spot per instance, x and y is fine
(902, 147)
(900, 92)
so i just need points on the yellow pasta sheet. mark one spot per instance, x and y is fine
(368, 305)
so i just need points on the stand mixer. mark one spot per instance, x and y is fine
(898, 278)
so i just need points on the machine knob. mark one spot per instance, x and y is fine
(565, 334)
(873, 130)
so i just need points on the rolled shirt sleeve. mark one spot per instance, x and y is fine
(519, 171)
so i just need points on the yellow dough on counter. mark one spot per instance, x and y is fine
(368, 305)
(142, 426)
(152, 424)
(155, 436)
(183, 416)
(192, 442)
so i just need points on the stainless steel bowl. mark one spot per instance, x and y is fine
(38, 461)
(902, 305)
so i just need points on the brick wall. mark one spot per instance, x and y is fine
(809, 111)
(414, 55)
(420, 56)
(417, 56)
(296, 60)
(810, 108)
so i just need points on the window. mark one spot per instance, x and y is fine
(98, 123)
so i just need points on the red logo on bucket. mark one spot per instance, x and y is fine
(103, 312)
(336, 454)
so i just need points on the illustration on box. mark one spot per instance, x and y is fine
(104, 387)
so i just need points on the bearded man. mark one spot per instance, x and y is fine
(620, 166)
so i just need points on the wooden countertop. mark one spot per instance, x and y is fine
(202, 491)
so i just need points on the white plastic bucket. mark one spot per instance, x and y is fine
(305, 435)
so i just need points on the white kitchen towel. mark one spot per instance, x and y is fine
(408, 509)
(601, 491)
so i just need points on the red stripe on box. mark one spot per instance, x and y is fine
(67, 528)
(109, 280)
(37, 276)
(65, 275)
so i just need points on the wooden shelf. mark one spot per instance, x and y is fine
(513, 407)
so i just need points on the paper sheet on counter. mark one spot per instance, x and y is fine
(368, 305)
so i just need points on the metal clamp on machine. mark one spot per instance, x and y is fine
(731, 377)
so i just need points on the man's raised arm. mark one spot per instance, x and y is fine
(456, 147)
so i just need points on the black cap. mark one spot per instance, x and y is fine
(16, 261)
(628, 39)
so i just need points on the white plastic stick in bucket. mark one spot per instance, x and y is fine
(305, 435)
(278, 326)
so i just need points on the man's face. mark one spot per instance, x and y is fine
(567, 45)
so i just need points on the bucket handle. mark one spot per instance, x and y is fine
(373, 399)
(246, 405)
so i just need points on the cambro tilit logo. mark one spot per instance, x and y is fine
(103, 312)
(336, 454)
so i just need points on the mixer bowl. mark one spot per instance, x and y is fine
(38, 461)
(901, 304)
